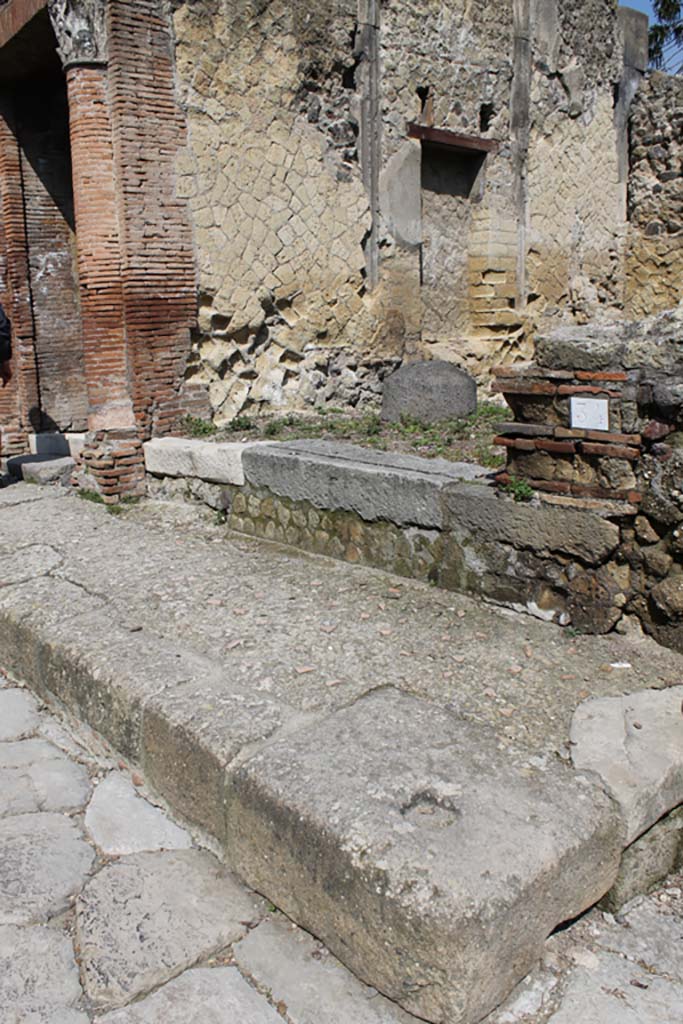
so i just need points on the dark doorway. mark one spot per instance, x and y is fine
(34, 87)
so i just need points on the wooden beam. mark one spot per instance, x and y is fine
(447, 139)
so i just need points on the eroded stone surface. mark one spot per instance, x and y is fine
(27, 563)
(145, 918)
(611, 990)
(431, 863)
(36, 776)
(650, 933)
(635, 745)
(120, 822)
(201, 996)
(44, 861)
(44, 1015)
(38, 972)
(300, 973)
(429, 392)
(18, 714)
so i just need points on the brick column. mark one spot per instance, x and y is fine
(20, 398)
(112, 455)
(99, 257)
(160, 291)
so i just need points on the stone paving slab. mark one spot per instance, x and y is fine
(37, 776)
(45, 1015)
(37, 968)
(611, 990)
(19, 715)
(302, 976)
(123, 921)
(219, 996)
(120, 822)
(43, 863)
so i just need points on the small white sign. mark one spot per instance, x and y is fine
(590, 413)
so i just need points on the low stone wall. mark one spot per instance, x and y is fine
(445, 523)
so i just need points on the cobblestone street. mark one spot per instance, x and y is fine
(105, 902)
(110, 912)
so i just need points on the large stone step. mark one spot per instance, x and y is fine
(431, 862)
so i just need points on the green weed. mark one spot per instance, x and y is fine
(518, 489)
(197, 427)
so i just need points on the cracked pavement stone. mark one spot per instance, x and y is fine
(145, 918)
(300, 973)
(649, 936)
(201, 996)
(612, 990)
(18, 714)
(38, 974)
(27, 563)
(36, 776)
(120, 821)
(44, 861)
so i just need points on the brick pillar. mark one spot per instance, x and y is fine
(19, 400)
(113, 454)
(160, 292)
(135, 256)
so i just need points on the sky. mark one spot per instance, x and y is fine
(640, 5)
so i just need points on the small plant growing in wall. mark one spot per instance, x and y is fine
(196, 427)
(518, 489)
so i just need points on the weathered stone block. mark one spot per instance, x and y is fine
(188, 772)
(429, 392)
(490, 517)
(428, 860)
(648, 860)
(215, 462)
(41, 469)
(402, 489)
(634, 744)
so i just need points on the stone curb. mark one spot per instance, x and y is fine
(262, 799)
(401, 489)
(344, 818)
(219, 463)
